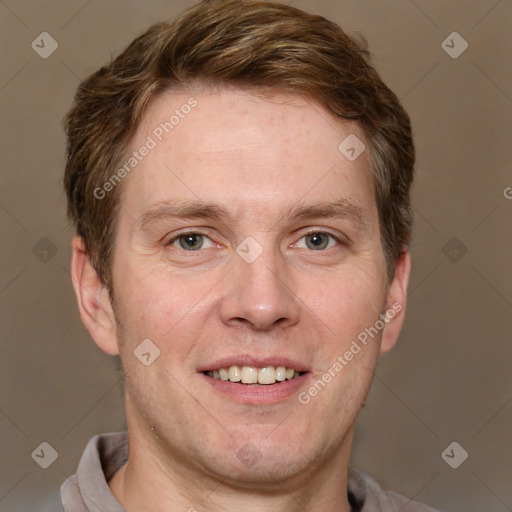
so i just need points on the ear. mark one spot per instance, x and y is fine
(93, 299)
(397, 298)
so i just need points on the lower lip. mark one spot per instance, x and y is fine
(261, 394)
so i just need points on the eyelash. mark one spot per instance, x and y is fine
(309, 233)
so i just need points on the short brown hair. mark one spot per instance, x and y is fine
(247, 44)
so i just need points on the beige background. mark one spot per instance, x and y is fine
(449, 378)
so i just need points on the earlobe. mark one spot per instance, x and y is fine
(93, 299)
(397, 298)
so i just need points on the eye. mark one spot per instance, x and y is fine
(190, 241)
(319, 240)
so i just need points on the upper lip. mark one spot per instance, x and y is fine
(257, 362)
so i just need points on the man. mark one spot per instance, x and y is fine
(239, 182)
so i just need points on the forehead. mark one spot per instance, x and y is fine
(234, 147)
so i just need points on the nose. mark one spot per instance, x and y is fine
(260, 294)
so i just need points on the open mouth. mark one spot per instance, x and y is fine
(251, 375)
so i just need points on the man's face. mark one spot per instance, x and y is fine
(258, 284)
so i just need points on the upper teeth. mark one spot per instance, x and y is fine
(253, 375)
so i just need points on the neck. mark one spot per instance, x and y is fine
(142, 485)
(155, 479)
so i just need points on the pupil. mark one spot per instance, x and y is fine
(317, 241)
(191, 241)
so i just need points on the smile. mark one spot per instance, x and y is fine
(266, 375)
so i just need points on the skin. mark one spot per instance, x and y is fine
(258, 158)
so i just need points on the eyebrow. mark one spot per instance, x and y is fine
(186, 209)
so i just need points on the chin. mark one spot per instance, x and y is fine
(258, 461)
(270, 471)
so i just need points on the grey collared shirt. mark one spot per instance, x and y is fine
(88, 490)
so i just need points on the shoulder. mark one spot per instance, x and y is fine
(373, 498)
(52, 503)
(103, 455)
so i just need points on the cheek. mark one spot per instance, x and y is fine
(156, 303)
(347, 301)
